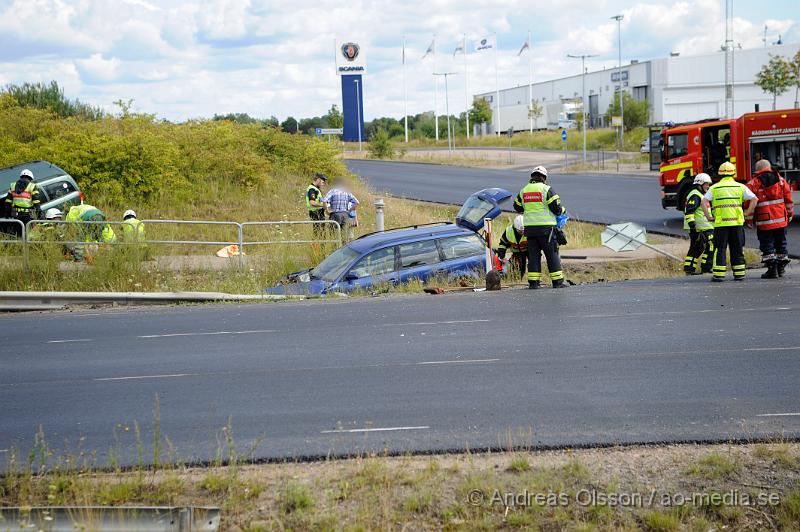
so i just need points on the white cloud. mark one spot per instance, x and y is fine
(192, 58)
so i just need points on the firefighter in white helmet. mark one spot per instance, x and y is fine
(701, 231)
(514, 239)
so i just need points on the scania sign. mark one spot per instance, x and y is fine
(350, 51)
(350, 58)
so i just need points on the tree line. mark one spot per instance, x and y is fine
(779, 75)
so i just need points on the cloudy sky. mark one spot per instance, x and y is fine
(193, 58)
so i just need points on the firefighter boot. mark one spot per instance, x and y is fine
(533, 285)
(772, 270)
(782, 263)
(559, 283)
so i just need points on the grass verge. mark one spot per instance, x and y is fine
(659, 488)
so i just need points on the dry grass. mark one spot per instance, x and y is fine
(607, 489)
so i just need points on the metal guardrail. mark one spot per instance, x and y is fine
(105, 518)
(29, 229)
(13, 221)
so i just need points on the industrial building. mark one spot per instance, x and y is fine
(679, 88)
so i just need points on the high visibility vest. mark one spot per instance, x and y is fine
(82, 212)
(726, 205)
(22, 201)
(319, 198)
(133, 230)
(518, 245)
(701, 223)
(536, 212)
(87, 213)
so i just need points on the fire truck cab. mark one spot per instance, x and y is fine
(688, 149)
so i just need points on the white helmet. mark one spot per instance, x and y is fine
(702, 179)
(130, 213)
(518, 223)
(26, 173)
(539, 170)
(53, 213)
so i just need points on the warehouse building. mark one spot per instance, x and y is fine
(678, 88)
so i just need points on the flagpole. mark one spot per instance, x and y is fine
(530, 81)
(496, 87)
(435, 92)
(466, 82)
(405, 90)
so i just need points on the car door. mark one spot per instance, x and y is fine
(482, 204)
(418, 260)
(374, 269)
(463, 255)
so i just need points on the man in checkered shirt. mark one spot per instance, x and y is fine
(339, 203)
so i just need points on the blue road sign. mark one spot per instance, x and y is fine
(318, 131)
(564, 135)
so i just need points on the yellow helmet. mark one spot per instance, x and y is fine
(727, 169)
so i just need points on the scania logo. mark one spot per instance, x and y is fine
(350, 51)
(483, 42)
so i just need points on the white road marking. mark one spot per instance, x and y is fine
(475, 361)
(137, 377)
(779, 415)
(3, 450)
(170, 335)
(383, 429)
(452, 322)
(67, 341)
(681, 312)
(770, 348)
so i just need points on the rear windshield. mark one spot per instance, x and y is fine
(474, 210)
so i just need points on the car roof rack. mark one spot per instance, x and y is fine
(417, 226)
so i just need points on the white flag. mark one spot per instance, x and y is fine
(431, 49)
(526, 46)
(487, 43)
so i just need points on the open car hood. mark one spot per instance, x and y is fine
(482, 204)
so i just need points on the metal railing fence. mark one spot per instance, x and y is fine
(81, 233)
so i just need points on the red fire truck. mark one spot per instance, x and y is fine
(689, 149)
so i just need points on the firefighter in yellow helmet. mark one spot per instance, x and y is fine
(727, 204)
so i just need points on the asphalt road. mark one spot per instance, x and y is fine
(601, 198)
(647, 361)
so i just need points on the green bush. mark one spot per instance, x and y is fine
(379, 145)
(136, 158)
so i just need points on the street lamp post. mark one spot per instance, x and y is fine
(450, 143)
(619, 18)
(358, 113)
(583, 57)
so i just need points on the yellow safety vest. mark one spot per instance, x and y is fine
(536, 211)
(726, 203)
(133, 230)
(701, 223)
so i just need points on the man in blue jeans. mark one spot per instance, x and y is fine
(339, 202)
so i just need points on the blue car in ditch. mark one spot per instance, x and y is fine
(398, 256)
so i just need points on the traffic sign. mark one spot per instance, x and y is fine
(564, 135)
(329, 131)
(624, 237)
(616, 121)
(628, 236)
